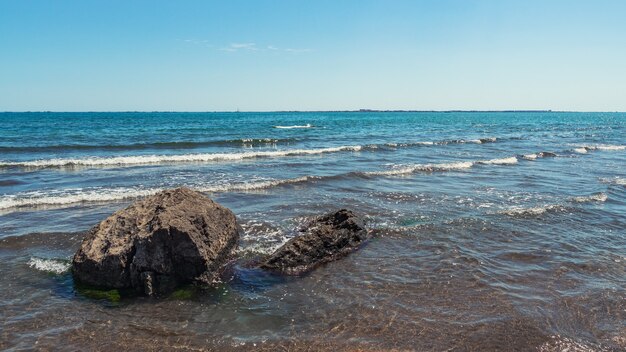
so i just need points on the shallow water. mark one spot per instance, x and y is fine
(480, 241)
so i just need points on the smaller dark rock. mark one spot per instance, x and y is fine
(326, 238)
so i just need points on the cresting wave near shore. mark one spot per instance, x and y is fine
(132, 160)
(68, 198)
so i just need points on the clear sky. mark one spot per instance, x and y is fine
(312, 55)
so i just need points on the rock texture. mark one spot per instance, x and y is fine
(171, 238)
(326, 238)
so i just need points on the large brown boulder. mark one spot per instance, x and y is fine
(324, 239)
(174, 237)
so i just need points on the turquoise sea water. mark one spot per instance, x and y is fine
(491, 229)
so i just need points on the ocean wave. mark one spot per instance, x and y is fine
(597, 197)
(131, 160)
(539, 155)
(605, 147)
(404, 170)
(256, 185)
(532, 211)
(308, 125)
(78, 196)
(260, 237)
(530, 156)
(410, 144)
(55, 266)
(615, 181)
(154, 145)
(177, 158)
(68, 197)
(542, 209)
(471, 141)
(501, 161)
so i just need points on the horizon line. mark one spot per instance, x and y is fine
(317, 111)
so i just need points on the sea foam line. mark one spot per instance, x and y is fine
(215, 157)
(615, 181)
(157, 159)
(583, 149)
(55, 266)
(308, 125)
(542, 209)
(71, 197)
(460, 165)
(405, 170)
(149, 145)
(35, 199)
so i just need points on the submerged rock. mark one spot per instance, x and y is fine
(172, 238)
(326, 238)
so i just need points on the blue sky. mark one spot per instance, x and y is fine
(312, 55)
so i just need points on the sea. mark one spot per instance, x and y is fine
(491, 231)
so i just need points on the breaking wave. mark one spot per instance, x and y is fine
(606, 147)
(55, 266)
(70, 197)
(539, 155)
(597, 197)
(308, 125)
(615, 181)
(155, 145)
(501, 161)
(460, 165)
(404, 170)
(542, 209)
(213, 157)
(56, 198)
(533, 211)
(157, 159)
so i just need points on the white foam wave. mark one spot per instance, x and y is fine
(54, 266)
(581, 150)
(534, 211)
(260, 140)
(542, 209)
(39, 198)
(308, 125)
(409, 144)
(615, 180)
(157, 159)
(257, 185)
(461, 165)
(77, 196)
(530, 156)
(598, 197)
(501, 161)
(422, 168)
(261, 237)
(607, 147)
